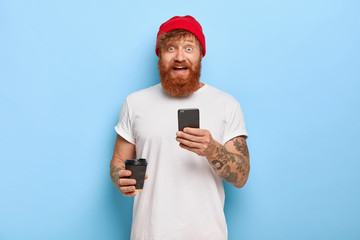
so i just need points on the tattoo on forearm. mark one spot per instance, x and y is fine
(241, 146)
(114, 173)
(229, 176)
(233, 168)
(218, 164)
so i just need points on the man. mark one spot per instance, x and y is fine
(183, 196)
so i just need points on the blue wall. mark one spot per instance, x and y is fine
(67, 66)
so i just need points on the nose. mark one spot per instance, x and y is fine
(179, 57)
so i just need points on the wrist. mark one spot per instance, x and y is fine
(212, 153)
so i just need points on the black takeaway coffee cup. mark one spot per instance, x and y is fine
(138, 169)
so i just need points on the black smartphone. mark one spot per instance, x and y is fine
(188, 117)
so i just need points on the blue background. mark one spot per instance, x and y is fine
(67, 66)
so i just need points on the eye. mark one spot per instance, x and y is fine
(188, 49)
(171, 48)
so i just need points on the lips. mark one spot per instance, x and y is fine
(179, 68)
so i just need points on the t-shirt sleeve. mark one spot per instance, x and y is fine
(234, 121)
(124, 126)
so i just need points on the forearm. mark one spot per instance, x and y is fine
(233, 168)
(115, 166)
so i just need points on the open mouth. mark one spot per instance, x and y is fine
(180, 68)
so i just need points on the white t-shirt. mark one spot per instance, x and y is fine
(183, 198)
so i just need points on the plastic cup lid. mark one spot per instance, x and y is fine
(140, 161)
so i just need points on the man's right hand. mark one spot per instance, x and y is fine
(123, 150)
(126, 185)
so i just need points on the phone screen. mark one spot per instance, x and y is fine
(188, 117)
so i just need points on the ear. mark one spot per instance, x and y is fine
(201, 54)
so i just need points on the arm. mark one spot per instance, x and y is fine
(230, 162)
(123, 150)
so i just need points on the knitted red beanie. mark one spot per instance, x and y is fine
(187, 23)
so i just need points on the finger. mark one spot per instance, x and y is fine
(124, 173)
(194, 150)
(127, 189)
(195, 131)
(193, 138)
(132, 194)
(127, 182)
(189, 143)
(146, 176)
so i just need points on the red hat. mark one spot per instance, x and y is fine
(187, 23)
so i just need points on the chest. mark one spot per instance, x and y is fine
(160, 122)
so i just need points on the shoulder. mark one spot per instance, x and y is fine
(144, 94)
(146, 91)
(220, 95)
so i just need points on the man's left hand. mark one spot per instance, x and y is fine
(197, 140)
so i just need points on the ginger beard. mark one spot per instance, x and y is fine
(180, 86)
